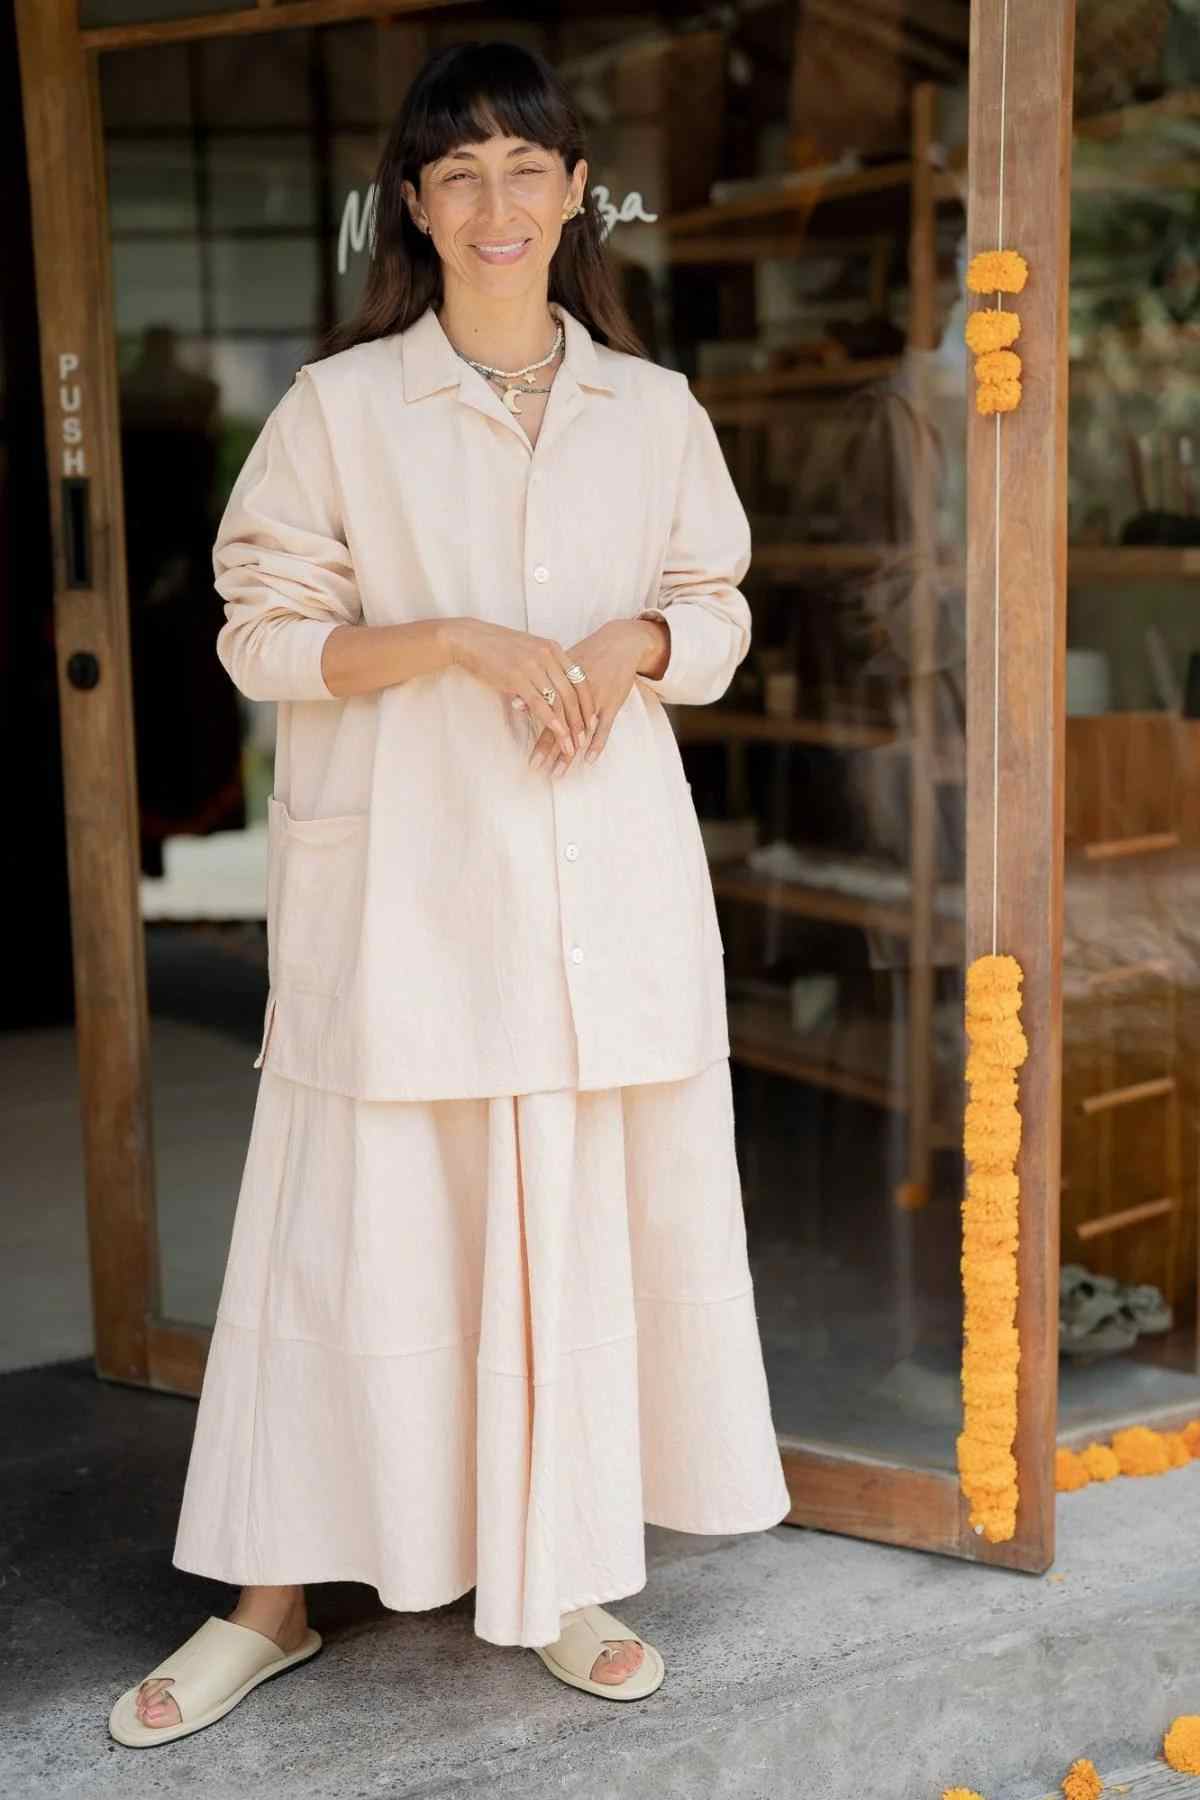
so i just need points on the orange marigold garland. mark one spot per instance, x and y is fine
(990, 331)
(991, 1139)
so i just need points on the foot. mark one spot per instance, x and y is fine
(617, 1661)
(279, 1613)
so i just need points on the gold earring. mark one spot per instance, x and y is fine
(573, 214)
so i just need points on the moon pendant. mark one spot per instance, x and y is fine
(509, 398)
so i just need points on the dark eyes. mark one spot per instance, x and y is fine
(526, 171)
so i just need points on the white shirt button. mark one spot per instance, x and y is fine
(541, 573)
(571, 852)
(577, 954)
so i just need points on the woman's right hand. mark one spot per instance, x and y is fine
(518, 663)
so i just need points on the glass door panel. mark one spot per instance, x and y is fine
(787, 221)
(1131, 974)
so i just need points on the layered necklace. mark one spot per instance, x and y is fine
(506, 379)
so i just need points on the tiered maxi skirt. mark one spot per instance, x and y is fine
(477, 1343)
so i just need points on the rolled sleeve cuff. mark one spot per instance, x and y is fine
(278, 658)
(706, 648)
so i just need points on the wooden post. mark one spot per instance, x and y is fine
(62, 129)
(1029, 554)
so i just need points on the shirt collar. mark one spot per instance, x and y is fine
(430, 361)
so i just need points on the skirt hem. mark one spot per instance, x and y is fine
(416, 1606)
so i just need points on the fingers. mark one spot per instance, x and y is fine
(569, 693)
(600, 735)
(548, 716)
(546, 751)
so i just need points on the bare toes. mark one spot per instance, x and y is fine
(625, 1660)
(155, 1707)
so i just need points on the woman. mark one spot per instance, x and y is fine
(487, 1306)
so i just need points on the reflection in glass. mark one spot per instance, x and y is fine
(1131, 972)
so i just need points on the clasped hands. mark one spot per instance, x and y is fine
(520, 665)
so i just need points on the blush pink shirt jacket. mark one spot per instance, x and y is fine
(444, 921)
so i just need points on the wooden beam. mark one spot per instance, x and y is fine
(254, 18)
(70, 228)
(1024, 567)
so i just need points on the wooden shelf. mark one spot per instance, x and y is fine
(1114, 565)
(852, 1057)
(794, 193)
(782, 558)
(737, 883)
(1142, 115)
(1119, 563)
(749, 388)
(707, 725)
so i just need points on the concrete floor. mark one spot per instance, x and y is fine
(800, 1664)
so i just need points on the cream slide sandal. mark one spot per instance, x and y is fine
(573, 1653)
(210, 1673)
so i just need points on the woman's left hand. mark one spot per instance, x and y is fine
(612, 656)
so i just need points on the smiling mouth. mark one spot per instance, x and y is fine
(505, 252)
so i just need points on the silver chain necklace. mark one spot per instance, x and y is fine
(508, 378)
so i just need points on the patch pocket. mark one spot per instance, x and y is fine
(316, 872)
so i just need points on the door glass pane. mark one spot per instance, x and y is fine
(772, 240)
(1131, 973)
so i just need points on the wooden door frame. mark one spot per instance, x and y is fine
(868, 1497)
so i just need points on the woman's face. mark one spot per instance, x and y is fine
(495, 211)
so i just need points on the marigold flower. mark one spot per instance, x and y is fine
(1178, 1454)
(1100, 1461)
(991, 328)
(998, 365)
(1070, 1471)
(1082, 1780)
(997, 271)
(997, 396)
(1140, 1451)
(1181, 1745)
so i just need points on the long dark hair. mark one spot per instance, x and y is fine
(463, 95)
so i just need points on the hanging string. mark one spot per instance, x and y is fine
(996, 526)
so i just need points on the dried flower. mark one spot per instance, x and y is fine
(997, 272)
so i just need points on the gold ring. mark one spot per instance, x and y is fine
(549, 695)
(576, 674)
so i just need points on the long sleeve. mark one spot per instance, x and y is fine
(707, 558)
(280, 558)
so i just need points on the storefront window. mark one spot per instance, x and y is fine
(787, 221)
(1132, 952)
